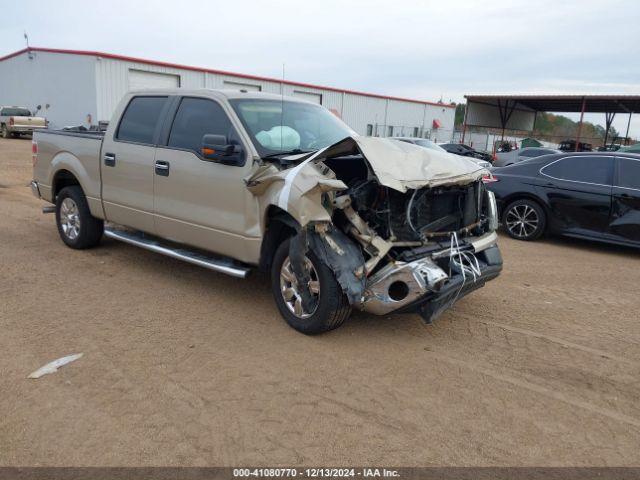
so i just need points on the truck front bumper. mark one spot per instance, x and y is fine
(35, 189)
(429, 285)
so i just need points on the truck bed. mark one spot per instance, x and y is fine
(72, 151)
(97, 134)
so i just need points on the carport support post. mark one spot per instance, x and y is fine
(584, 106)
(626, 135)
(609, 116)
(464, 122)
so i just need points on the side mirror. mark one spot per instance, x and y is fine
(218, 149)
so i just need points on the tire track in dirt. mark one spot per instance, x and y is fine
(538, 389)
(560, 341)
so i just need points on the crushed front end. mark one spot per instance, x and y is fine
(425, 248)
(403, 228)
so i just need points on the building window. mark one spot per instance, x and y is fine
(390, 131)
(369, 130)
(415, 132)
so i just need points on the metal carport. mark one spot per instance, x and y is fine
(519, 112)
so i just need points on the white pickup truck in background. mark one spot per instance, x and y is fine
(16, 121)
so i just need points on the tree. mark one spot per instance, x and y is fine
(459, 119)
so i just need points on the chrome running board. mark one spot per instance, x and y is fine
(217, 264)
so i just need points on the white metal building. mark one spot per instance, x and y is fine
(83, 88)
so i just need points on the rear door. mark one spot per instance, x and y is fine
(625, 211)
(199, 202)
(127, 163)
(578, 190)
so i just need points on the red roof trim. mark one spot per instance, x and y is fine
(220, 72)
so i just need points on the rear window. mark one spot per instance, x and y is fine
(591, 169)
(15, 112)
(140, 119)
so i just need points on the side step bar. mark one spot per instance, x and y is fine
(217, 264)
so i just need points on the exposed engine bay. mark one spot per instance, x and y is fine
(424, 226)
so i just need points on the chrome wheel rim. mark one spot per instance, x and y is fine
(522, 221)
(70, 219)
(291, 291)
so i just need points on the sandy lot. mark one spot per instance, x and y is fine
(183, 366)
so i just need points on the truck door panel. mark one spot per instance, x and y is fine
(199, 202)
(127, 164)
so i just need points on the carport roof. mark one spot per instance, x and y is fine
(619, 103)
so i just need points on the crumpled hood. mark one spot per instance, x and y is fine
(399, 165)
(404, 166)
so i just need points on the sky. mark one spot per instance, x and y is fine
(419, 49)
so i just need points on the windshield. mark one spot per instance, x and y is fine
(16, 112)
(430, 144)
(301, 126)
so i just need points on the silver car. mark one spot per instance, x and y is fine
(515, 156)
(426, 143)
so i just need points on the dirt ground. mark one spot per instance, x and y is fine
(183, 366)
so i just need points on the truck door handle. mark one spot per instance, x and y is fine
(110, 159)
(162, 168)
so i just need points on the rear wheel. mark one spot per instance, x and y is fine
(328, 307)
(524, 220)
(76, 226)
(5, 132)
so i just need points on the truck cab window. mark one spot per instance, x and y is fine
(140, 119)
(195, 118)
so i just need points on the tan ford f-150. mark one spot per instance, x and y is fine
(234, 181)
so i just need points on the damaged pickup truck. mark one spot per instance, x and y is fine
(233, 181)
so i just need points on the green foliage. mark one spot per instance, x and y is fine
(558, 127)
(459, 119)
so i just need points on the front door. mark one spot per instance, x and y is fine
(578, 190)
(200, 202)
(625, 211)
(127, 164)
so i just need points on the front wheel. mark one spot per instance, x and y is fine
(77, 227)
(524, 220)
(327, 307)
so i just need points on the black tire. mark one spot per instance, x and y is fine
(332, 305)
(89, 229)
(534, 224)
(5, 132)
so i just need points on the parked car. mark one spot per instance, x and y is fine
(635, 148)
(515, 156)
(570, 146)
(612, 147)
(466, 151)
(426, 143)
(16, 121)
(504, 146)
(234, 181)
(587, 195)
